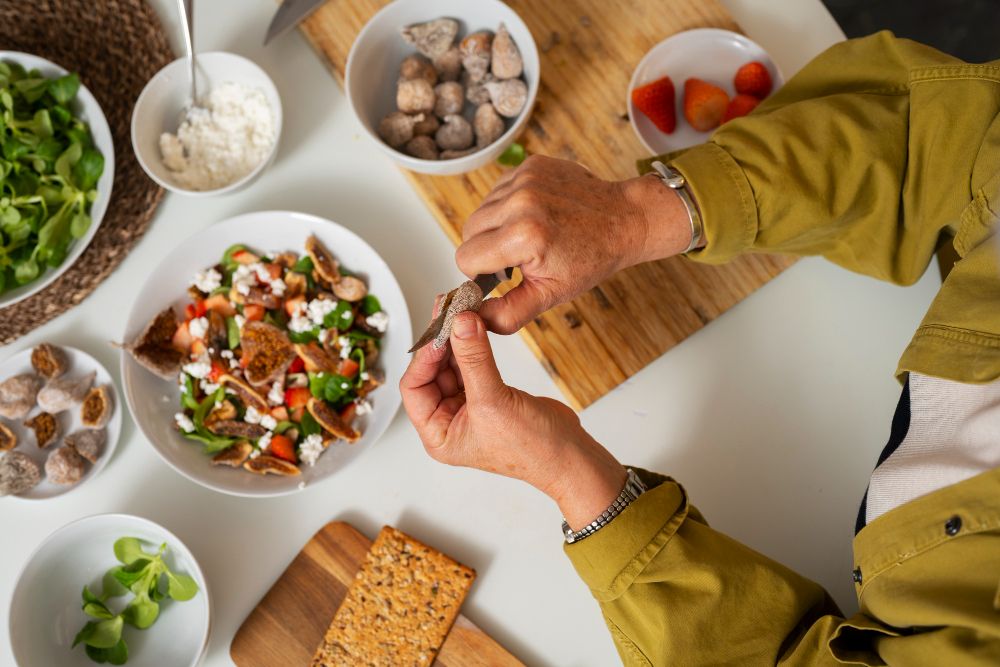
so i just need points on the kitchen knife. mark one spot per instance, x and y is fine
(487, 282)
(289, 15)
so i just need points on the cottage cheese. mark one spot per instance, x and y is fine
(318, 309)
(378, 321)
(264, 441)
(252, 416)
(198, 327)
(311, 448)
(221, 141)
(244, 278)
(198, 369)
(269, 422)
(207, 281)
(277, 394)
(184, 422)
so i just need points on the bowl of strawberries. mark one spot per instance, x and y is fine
(692, 82)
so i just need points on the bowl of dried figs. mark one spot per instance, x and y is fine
(443, 87)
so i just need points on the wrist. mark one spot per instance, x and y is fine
(589, 480)
(663, 228)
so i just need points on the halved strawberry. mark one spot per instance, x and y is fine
(182, 339)
(348, 368)
(280, 412)
(740, 106)
(298, 365)
(196, 309)
(283, 448)
(297, 397)
(704, 104)
(753, 79)
(657, 101)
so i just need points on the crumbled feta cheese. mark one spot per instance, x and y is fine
(252, 415)
(244, 278)
(277, 394)
(300, 322)
(184, 422)
(378, 321)
(311, 448)
(208, 387)
(346, 315)
(207, 281)
(364, 376)
(263, 275)
(363, 407)
(227, 354)
(255, 453)
(278, 287)
(199, 368)
(234, 364)
(269, 422)
(264, 441)
(240, 321)
(318, 309)
(198, 327)
(324, 334)
(344, 385)
(345, 349)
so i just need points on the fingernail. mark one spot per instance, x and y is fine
(465, 325)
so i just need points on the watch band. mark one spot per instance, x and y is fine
(674, 180)
(633, 489)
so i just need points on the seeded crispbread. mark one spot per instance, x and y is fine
(399, 608)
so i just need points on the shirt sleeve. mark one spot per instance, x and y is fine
(673, 591)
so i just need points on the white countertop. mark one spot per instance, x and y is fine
(772, 416)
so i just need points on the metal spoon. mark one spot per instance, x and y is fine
(186, 8)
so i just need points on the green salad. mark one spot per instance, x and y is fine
(49, 170)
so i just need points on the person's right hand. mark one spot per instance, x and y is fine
(567, 230)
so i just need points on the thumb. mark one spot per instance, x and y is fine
(471, 348)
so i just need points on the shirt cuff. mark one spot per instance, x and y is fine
(609, 560)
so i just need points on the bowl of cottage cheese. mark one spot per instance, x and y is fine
(218, 145)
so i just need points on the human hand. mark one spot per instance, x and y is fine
(567, 230)
(466, 416)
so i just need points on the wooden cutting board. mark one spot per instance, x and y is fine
(286, 626)
(588, 50)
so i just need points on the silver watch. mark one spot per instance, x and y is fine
(633, 489)
(675, 180)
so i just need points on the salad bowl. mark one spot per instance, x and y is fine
(155, 402)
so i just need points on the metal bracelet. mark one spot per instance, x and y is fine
(633, 489)
(674, 180)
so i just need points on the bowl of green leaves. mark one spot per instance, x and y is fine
(110, 589)
(56, 172)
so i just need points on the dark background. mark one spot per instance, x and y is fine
(969, 29)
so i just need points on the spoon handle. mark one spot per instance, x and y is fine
(186, 8)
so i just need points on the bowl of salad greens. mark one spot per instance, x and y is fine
(56, 172)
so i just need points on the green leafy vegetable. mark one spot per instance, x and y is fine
(232, 333)
(370, 304)
(341, 317)
(513, 156)
(228, 262)
(304, 265)
(331, 387)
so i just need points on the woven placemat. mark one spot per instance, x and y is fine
(116, 46)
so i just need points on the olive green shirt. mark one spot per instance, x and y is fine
(875, 154)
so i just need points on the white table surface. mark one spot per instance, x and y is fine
(772, 416)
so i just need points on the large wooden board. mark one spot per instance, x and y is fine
(286, 626)
(588, 50)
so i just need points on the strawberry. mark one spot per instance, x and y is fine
(218, 370)
(298, 365)
(280, 412)
(656, 101)
(704, 104)
(283, 448)
(296, 397)
(753, 79)
(739, 106)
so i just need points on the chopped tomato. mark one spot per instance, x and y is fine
(296, 397)
(253, 312)
(348, 368)
(298, 413)
(280, 413)
(182, 338)
(348, 413)
(218, 370)
(283, 448)
(245, 257)
(198, 347)
(220, 304)
(298, 365)
(291, 305)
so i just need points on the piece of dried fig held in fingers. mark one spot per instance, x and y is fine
(508, 96)
(455, 134)
(476, 50)
(506, 58)
(432, 38)
(467, 296)
(487, 124)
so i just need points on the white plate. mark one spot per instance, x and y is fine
(80, 363)
(45, 609)
(86, 108)
(711, 54)
(154, 401)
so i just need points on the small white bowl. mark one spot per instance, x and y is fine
(373, 68)
(711, 54)
(86, 108)
(162, 102)
(45, 610)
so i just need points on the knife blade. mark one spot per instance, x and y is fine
(289, 15)
(487, 282)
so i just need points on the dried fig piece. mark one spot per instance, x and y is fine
(8, 439)
(331, 421)
(258, 296)
(316, 358)
(350, 288)
(217, 336)
(417, 66)
(223, 411)
(415, 96)
(154, 347)
(506, 60)
(233, 456)
(271, 465)
(323, 262)
(488, 125)
(18, 395)
(476, 50)
(432, 38)
(450, 99)
(428, 126)
(295, 284)
(397, 128)
(49, 361)
(508, 96)
(87, 442)
(422, 147)
(63, 393)
(236, 429)
(247, 395)
(475, 91)
(46, 427)
(267, 352)
(449, 65)
(64, 466)
(97, 407)
(467, 296)
(18, 473)
(285, 259)
(455, 134)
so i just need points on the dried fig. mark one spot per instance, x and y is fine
(422, 147)
(433, 37)
(449, 65)
(506, 60)
(508, 96)
(476, 50)
(488, 125)
(455, 134)
(417, 66)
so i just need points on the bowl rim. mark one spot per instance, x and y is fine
(720, 32)
(113, 515)
(80, 245)
(420, 164)
(405, 328)
(276, 110)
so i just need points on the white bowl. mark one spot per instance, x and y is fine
(45, 609)
(154, 401)
(711, 54)
(86, 108)
(378, 50)
(80, 363)
(162, 102)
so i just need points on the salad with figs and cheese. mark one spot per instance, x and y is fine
(275, 357)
